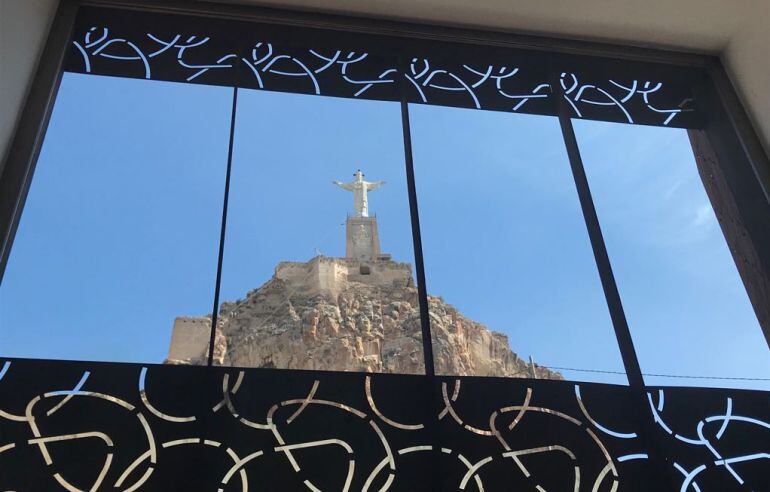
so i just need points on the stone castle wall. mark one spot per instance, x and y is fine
(189, 338)
(329, 276)
(345, 315)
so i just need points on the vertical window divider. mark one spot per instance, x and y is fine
(419, 267)
(223, 230)
(432, 406)
(609, 285)
(612, 295)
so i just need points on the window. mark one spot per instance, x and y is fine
(506, 249)
(686, 305)
(309, 280)
(285, 203)
(325, 199)
(120, 230)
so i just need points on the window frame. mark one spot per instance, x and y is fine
(728, 130)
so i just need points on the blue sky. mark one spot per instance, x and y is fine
(121, 228)
(681, 291)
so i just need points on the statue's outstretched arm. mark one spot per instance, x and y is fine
(344, 186)
(375, 185)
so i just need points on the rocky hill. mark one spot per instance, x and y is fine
(341, 314)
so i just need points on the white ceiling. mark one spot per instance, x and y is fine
(737, 30)
(704, 25)
(734, 29)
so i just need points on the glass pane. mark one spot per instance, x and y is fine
(687, 308)
(310, 280)
(121, 226)
(507, 256)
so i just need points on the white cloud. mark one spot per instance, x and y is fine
(702, 217)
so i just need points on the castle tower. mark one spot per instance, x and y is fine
(362, 241)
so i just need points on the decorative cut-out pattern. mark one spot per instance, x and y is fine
(96, 426)
(722, 443)
(246, 55)
(617, 95)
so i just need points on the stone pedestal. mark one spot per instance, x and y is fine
(362, 242)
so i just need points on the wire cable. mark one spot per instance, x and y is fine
(680, 376)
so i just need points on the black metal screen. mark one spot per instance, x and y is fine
(98, 426)
(307, 61)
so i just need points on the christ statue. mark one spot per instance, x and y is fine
(359, 187)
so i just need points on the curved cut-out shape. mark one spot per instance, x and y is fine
(238, 467)
(325, 442)
(609, 466)
(373, 406)
(450, 409)
(376, 471)
(67, 398)
(581, 404)
(227, 402)
(151, 408)
(689, 477)
(526, 409)
(514, 455)
(305, 403)
(388, 461)
(522, 410)
(473, 471)
(41, 441)
(4, 370)
(238, 463)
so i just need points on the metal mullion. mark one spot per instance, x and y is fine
(619, 322)
(609, 285)
(223, 230)
(433, 406)
(419, 267)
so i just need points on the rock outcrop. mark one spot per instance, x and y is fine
(346, 315)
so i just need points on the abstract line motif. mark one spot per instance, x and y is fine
(716, 443)
(517, 84)
(312, 431)
(146, 401)
(577, 94)
(43, 442)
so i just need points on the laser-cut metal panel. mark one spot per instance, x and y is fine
(542, 435)
(715, 439)
(475, 78)
(521, 82)
(626, 99)
(333, 63)
(100, 426)
(217, 52)
(131, 427)
(160, 47)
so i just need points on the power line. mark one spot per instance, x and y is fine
(679, 376)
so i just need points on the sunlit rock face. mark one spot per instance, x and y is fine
(345, 315)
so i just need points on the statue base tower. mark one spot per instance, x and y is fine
(362, 241)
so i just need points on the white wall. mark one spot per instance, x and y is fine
(735, 29)
(23, 29)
